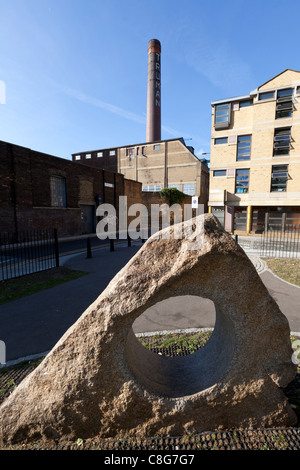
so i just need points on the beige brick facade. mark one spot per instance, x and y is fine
(255, 156)
(157, 165)
(163, 164)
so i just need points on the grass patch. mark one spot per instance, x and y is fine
(286, 268)
(14, 289)
(181, 341)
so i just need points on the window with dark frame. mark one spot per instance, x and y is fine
(221, 140)
(58, 191)
(266, 95)
(222, 115)
(130, 152)
(279, 178)
(242, 180)
(282, 141)
(219, 172)
(243, 104)
(284, 103)
(243, 147)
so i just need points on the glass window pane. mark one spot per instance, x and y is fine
(267, 95)
(222, 106)
(246, 103)
(221, 140)
(219, 173)
(279, 178)
(286, 92)
(242, 180)
(222, 119)
(244, 147)
(189, 188)
(58, 191)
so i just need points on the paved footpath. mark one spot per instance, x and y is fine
(31, 326)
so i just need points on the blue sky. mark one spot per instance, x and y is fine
(75, 71)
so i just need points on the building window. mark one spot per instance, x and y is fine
(284, 104)
(151, 187)
(58, 191)
(88, 156)
(130, 152)
(156, 147)
(242, 180)
(243, 104)
(266, 96)
(219, 173)
(77, 157)
(221, 140)
(279, 178)
(112, 153)
(222, 115)
(99, 154)
(143, 150)
(282, 141)
(243, 147)
(189, 188)
(177, 186)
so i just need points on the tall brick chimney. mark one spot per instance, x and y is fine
(153, 126)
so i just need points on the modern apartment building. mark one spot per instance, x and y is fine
(157, 165)
(255, 157)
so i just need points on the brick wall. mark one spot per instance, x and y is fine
(25, 192)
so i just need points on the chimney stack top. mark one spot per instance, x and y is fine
(154, 46)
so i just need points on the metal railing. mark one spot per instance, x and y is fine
(27, 252)
(278, 243)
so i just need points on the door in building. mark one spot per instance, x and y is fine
(87, 218)
(240, 219)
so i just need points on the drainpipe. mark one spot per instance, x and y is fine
(166, 166)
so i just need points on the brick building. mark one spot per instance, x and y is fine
(40, 191)
(157, 165)
(255, 157)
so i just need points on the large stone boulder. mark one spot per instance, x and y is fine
(100, 382)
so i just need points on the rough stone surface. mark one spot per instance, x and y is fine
(99, 382)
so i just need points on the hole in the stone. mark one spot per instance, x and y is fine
(205, 331)
(176, 326)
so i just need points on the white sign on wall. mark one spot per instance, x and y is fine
(195, 202)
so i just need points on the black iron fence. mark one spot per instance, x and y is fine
(27, 252)
(278, 243)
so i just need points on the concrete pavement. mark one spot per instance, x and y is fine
(31, 326)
